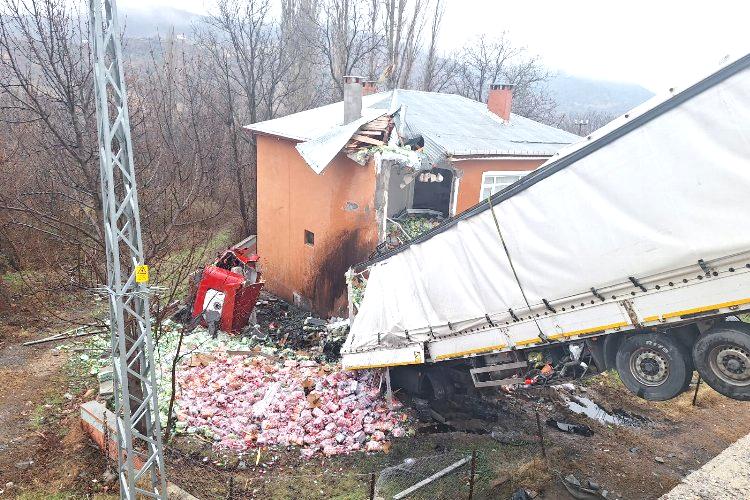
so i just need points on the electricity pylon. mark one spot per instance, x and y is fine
(140, 458)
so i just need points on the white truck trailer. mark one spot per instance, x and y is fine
(633, 244)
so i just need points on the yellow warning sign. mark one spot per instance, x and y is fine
(141, 273)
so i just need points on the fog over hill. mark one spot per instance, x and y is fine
(147, 22)
(577, 95)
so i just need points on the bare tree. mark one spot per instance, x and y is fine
(496, 60)
(403, 24)
(48, 114)
(430, 70)
(254, 66)
(46, 86)
(346, 39)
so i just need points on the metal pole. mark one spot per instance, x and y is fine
(139, 448)
(372, 486)
(389, 392)
(541, 434)
(697, 386)
(473, 473)
(230, 488)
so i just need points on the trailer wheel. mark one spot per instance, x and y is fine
(654, 366)
(722, 357)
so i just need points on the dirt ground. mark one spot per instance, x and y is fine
(44, 454)
(43, 451)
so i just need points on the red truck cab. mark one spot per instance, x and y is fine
(228, 290)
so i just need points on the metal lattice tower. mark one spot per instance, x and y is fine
(140, 457)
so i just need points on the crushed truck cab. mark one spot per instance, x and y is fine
(228, 290)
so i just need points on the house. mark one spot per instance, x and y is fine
(330, 178)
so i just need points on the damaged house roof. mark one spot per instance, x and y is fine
(453, 127)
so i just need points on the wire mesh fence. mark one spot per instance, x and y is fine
(448, 475)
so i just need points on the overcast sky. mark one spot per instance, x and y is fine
(655, 43)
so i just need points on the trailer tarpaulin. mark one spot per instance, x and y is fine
(660, 188)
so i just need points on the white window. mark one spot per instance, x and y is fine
(492, 182)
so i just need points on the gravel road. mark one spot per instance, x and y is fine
(726, 476)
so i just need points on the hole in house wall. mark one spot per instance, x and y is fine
(309, 237)
(433, 190)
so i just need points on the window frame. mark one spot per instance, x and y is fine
(515, 173)
(309, 240)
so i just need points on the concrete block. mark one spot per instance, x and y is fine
(95, 417)
(105, 374)
(107, 388)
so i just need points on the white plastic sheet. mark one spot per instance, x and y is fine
(671, 192)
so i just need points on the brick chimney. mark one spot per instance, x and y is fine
(369, 87)
(352, 98)
(500, 99)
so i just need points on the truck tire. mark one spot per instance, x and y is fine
(654, 366)
(722, 357)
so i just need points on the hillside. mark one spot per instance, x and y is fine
(147, 22)
(577, 96)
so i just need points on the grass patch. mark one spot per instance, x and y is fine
(610, 379)
(47, 413)
(13, 281)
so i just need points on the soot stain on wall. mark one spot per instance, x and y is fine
(329, 282)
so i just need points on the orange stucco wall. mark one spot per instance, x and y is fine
(291, 199)
(471, 181)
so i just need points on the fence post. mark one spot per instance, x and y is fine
(541, 435)
(473, 473)
(697, 386)
(230, 488)
(372, 486)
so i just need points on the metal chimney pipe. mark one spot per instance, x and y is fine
(352, 98)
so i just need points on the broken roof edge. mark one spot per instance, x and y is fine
(320, 151)
(283, 126)
(653, 108)
(248, 130)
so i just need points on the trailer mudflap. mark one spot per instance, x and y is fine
(412, 354)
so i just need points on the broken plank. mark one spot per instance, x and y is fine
(367, 140)
(61, 336)
(370, 132)
(378, 123)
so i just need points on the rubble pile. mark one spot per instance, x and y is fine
(242, 403)
(286, 325)
(409, 226)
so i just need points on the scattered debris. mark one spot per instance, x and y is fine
(409, 225)
(521, 494)
(587, 491)
(580, 429)
(281, 324)
(585, 406)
